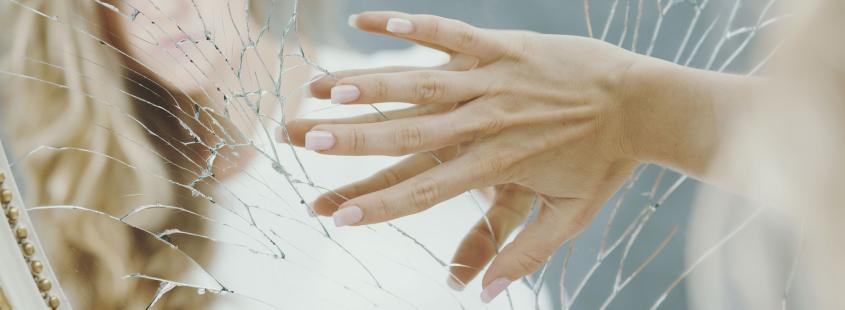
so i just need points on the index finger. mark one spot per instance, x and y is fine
(449, 33)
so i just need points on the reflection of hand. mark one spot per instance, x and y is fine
(528, 113)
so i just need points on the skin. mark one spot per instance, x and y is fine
(562, 120)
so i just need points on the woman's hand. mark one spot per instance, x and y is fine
(540, 117)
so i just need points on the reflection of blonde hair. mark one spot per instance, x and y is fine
(90, 255)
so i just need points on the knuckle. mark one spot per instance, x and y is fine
(434, 32)
(424, 193)
(498, 89)
(381, 88)
(489, 126)
(381, 208)
(408, 139)
(483, 123)
(357, 141)
(484, 241)
(495, 164)
(481, 232)
(356, 189)
(519, 50)
(530, 261)
(429, 89)
(490, 167)
(468, 37)
(389, 176)
(510, 189)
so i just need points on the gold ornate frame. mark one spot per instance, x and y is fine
(26, 279)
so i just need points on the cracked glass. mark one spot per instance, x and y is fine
(143, 134)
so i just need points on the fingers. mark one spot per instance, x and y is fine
(420, 87)
(398, 136)
(510, 208)
(532, 248)
(419, 193)
(322, 87)
(294, 131)
(327, 203)
(450, 34)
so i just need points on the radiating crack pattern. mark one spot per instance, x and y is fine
(256, 91)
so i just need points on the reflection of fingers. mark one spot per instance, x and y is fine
(327, 203)
(533, 247)
(510, 208)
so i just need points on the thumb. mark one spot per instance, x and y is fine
(558, 220)
(511, 206)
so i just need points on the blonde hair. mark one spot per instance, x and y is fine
(67, 90)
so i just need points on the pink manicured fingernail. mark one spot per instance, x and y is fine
(281, 135)
(353, 20)
(347, 216)
(454, 284)
(400, 25)
(494, 289)
(319, 141)
(345, 94)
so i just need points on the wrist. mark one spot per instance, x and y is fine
(676, 116)
(636, 92)
(668, 114)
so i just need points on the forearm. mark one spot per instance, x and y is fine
(677, 116)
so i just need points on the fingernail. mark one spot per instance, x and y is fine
(494, 289)
(454, 284)
(399, 25)
(311, 212)
(319, 141)
(281, 135)
(353, 20)
(347, 216)
(345, 94)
